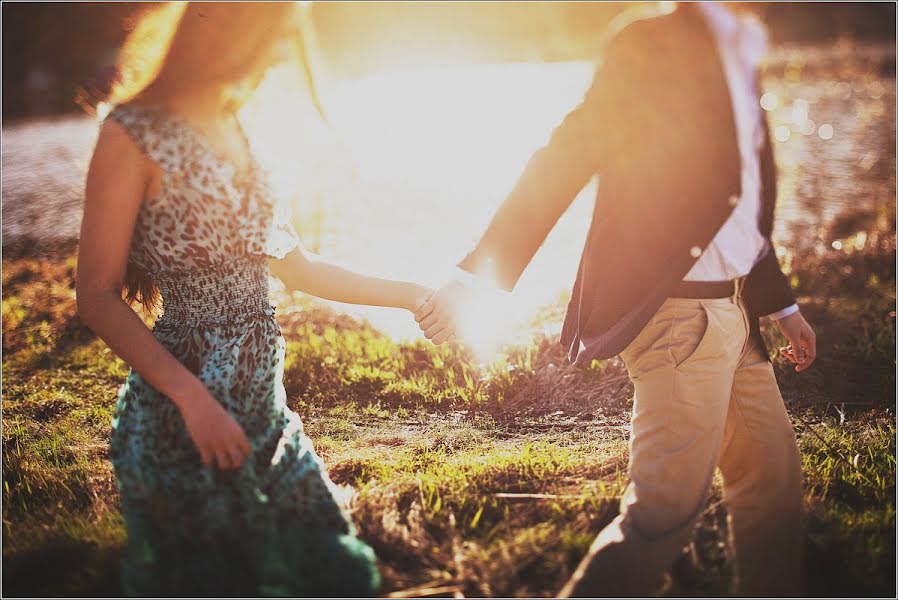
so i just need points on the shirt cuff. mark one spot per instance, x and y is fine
(781, 314)
(469, 280)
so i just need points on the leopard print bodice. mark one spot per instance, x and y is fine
(205, 236)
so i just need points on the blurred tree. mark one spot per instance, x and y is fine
(49, 48)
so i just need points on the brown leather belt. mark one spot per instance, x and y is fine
(703, 290)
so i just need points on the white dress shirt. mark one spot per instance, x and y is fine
(739, 245)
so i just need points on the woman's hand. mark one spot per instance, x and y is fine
(217, 436)
(418, 295)
(438, 316)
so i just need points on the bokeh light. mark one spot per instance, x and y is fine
(875, 90)
(782, 133)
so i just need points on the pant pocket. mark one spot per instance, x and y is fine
(648, 350)
(692, 333)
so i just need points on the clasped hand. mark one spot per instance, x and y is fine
(437, 317)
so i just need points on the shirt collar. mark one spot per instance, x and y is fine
(722, 21)
(747, 35)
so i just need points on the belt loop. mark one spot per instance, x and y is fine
(738, 285)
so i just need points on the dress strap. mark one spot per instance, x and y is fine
(263, 221)
(156, 136)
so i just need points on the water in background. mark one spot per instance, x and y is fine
(427, 155)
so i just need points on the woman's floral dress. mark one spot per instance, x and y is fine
(273, 527)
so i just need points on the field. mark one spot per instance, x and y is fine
(489, 478)
(475, 475)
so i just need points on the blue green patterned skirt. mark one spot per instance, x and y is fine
(275, 527)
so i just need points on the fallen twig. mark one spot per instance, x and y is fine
(523, 496)
(422, 592)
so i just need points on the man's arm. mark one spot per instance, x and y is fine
(551, 180)
(556, 173)
(768, 291)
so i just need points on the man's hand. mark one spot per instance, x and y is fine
(437, 317)
(802, 348)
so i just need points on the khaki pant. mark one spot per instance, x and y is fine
(705, 397)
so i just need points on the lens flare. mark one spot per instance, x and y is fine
(420, 162)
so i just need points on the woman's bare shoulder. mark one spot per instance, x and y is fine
(118, 167)
(115, 141)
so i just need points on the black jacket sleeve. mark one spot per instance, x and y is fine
(767, 289)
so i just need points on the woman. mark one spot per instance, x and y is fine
(221, 491)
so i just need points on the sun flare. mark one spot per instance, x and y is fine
(418, 160)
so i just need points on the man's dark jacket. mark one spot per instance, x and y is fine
(657, 128)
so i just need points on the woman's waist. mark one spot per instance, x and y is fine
(221, 294)
(252, 341)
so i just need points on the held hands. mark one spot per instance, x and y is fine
(436, 317)
(219, 439)
(417, 297)
(802, 348)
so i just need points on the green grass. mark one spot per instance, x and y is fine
(500, 516)
(491, 477)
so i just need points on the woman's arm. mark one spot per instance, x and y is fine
(117, 182)
(303, 271)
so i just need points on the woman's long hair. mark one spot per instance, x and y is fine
(188, 46)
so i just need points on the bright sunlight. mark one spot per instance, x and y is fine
(420, 160)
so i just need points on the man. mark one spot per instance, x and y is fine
(677, 269)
